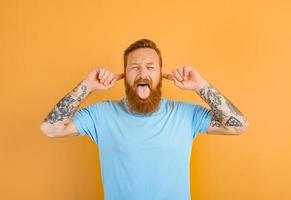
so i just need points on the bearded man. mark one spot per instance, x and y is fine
(144, 140)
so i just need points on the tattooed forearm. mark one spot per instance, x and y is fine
(68, 105)
(224, 112)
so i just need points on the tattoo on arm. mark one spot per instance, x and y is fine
(224, 112)
(68, 105)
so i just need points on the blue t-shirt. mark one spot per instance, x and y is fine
(144, 157)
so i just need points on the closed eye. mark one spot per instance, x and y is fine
(134, 67)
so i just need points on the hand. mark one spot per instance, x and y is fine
(186, 78)
(101, 79)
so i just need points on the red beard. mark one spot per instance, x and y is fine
(145, 106)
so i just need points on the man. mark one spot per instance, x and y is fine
(144, 140)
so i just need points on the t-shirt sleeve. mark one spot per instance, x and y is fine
(201, 119)
(86, 121)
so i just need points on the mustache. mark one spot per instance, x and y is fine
(148, 105)
(143, 80)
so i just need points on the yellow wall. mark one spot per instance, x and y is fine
(241, 47)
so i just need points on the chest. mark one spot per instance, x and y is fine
(164, 135)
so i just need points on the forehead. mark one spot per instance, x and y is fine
(141, 55)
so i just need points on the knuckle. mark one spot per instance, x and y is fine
(108, 80)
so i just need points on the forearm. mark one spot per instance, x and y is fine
(68, 105)
(224, 112)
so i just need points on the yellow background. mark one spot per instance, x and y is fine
(241, 47)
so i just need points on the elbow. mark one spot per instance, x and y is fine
(242, 129)
(46, 129)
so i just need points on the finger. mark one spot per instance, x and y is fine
(112, 82)
(116, 78)
(168, 76)
(119, 76)
(105, 76)
(109, 79)
(177, 75)
(186, 72)
(180, 71)
(178, 83)
(101, 73)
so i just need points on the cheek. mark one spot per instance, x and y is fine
(130, 78)
(156, 79)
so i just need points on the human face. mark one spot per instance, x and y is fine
(143, 63)
(143, 68)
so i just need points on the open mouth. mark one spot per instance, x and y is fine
(143, 90)
(143, 84)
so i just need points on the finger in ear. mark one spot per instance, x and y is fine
(119, 76)
(168, 76)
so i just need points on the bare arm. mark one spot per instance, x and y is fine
(227, 119)
(58, 122)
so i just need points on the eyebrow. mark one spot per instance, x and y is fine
(150, 63)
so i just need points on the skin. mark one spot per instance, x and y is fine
(59, 123)
(143, 67)
(227, 119)
(144, 63)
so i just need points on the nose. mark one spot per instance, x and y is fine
(143, 72)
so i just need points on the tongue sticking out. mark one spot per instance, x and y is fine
(143, 91)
